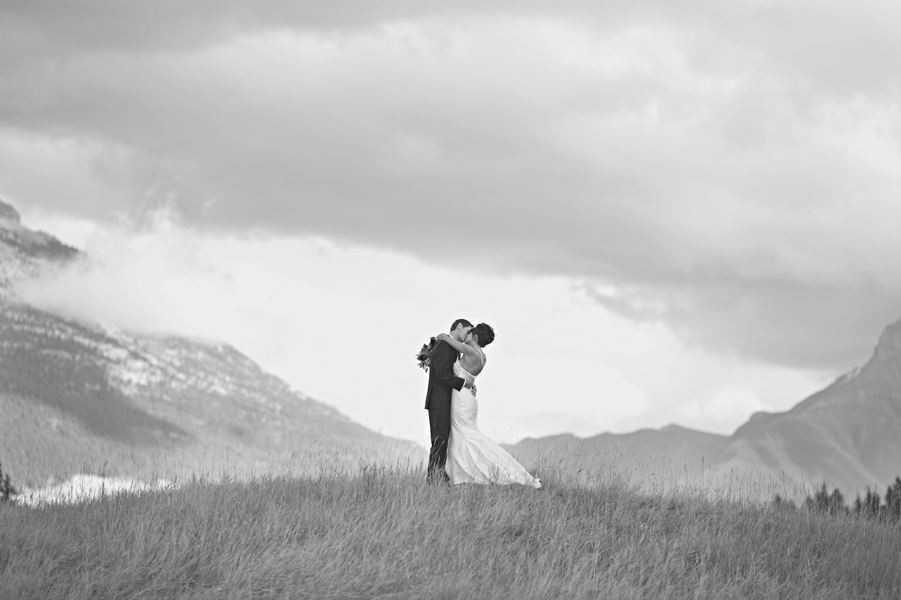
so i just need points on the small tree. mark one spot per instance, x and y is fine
(893, 499)
(781, 503)
(7, 491)
(823, 501)
(870, 505)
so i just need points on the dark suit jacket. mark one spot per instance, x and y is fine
(441, 377)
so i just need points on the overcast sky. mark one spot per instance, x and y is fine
(670, 211)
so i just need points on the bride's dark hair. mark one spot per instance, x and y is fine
(485, 333)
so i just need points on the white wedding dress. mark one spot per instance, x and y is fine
(472, 457)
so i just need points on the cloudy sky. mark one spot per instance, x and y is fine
(671, 212)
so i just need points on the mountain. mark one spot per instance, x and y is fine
(848, 434)
(83, 398)
(644, 452)
(24, 252)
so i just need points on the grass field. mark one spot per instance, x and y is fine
(382, 533)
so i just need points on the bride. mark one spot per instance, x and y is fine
(472, 457)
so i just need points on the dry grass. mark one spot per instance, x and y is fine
(382, 533)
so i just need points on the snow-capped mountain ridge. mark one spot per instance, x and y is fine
(9, 216)
(69, 388)
(29, 245)
(26, 253)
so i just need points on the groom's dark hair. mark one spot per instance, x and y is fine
(464, 322)
(485, 333)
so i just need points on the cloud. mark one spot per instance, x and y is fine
(305, 310)
(725, 410)
(149, 279)
(729, 170)
(837, 43)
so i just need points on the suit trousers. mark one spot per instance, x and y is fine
(440, 426)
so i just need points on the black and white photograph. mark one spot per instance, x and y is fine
(405, 299)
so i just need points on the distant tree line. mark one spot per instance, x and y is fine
(870, 505)
(7, 491)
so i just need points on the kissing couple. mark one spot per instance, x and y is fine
(460, 453)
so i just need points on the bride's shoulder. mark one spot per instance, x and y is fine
(483, 356)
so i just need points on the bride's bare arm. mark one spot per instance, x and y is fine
(458, 346)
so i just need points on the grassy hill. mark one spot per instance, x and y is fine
(382, 533)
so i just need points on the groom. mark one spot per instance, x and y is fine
(438, 398)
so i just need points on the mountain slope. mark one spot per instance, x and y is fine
(848, 434)
(659, 452)
(24, 252)
(80, 398)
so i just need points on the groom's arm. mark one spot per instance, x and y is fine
(444, 368)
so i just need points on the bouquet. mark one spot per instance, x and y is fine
(422, 357)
